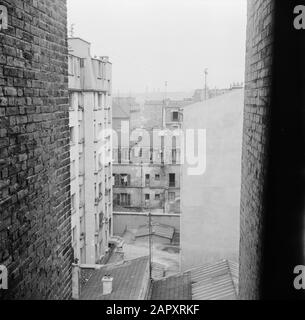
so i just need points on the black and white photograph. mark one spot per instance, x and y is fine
(152, 151)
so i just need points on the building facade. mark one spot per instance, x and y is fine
(147, 170)
(35, 237)
(211, 199)
(91, 150)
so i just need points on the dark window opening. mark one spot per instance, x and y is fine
(175, 116)
(172, 180)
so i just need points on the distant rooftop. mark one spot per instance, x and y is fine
(160, 230)
(123, 106)
(120, 112)
(130, 281)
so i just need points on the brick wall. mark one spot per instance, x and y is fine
(34, 151)
(254, 163)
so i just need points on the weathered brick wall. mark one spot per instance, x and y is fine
(254, 163)
(34, 151)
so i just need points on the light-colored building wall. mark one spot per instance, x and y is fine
(91, 150)
(211, 200)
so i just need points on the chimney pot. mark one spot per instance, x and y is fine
(107, 282)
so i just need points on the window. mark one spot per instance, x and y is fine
(100, 70)
(80, 101)
(95, 101)
(101, 217)
(121, 180)
(100, 189)
(171, 196)
(147, 179)
(73, 234)
(80, 193)
(73, 202)
(157, 177)
(71, 101)
(77, 67)
(100, 101)
(174, 156)
(175, 116)
(157, 197)
(147, 197)
(72, 135)
(172, 180)
(82, 224)
(124, 180)
(96, 253)
(82, 63)
(71, 65)
(96, 222)
(124, 199)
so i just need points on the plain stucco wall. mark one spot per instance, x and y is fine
(211, 202)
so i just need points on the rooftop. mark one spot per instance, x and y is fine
(173, 288)
(217, 281)
(130, 281)
(160, 230)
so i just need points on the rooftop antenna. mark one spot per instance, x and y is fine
(206, 72)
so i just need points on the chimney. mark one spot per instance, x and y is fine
(107, 285)
(104, 58)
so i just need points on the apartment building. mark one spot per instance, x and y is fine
(90, 152)
(147, 171)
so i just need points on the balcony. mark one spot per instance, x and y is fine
(98, 200)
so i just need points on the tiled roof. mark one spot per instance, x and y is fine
(160, 230)
(218, 281)
(129, 279)
(173, 288)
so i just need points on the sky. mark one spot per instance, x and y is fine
(150, 42)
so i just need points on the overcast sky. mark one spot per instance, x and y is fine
(153, 41)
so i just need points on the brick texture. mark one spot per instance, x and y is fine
(254, 164)
(34, 151)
